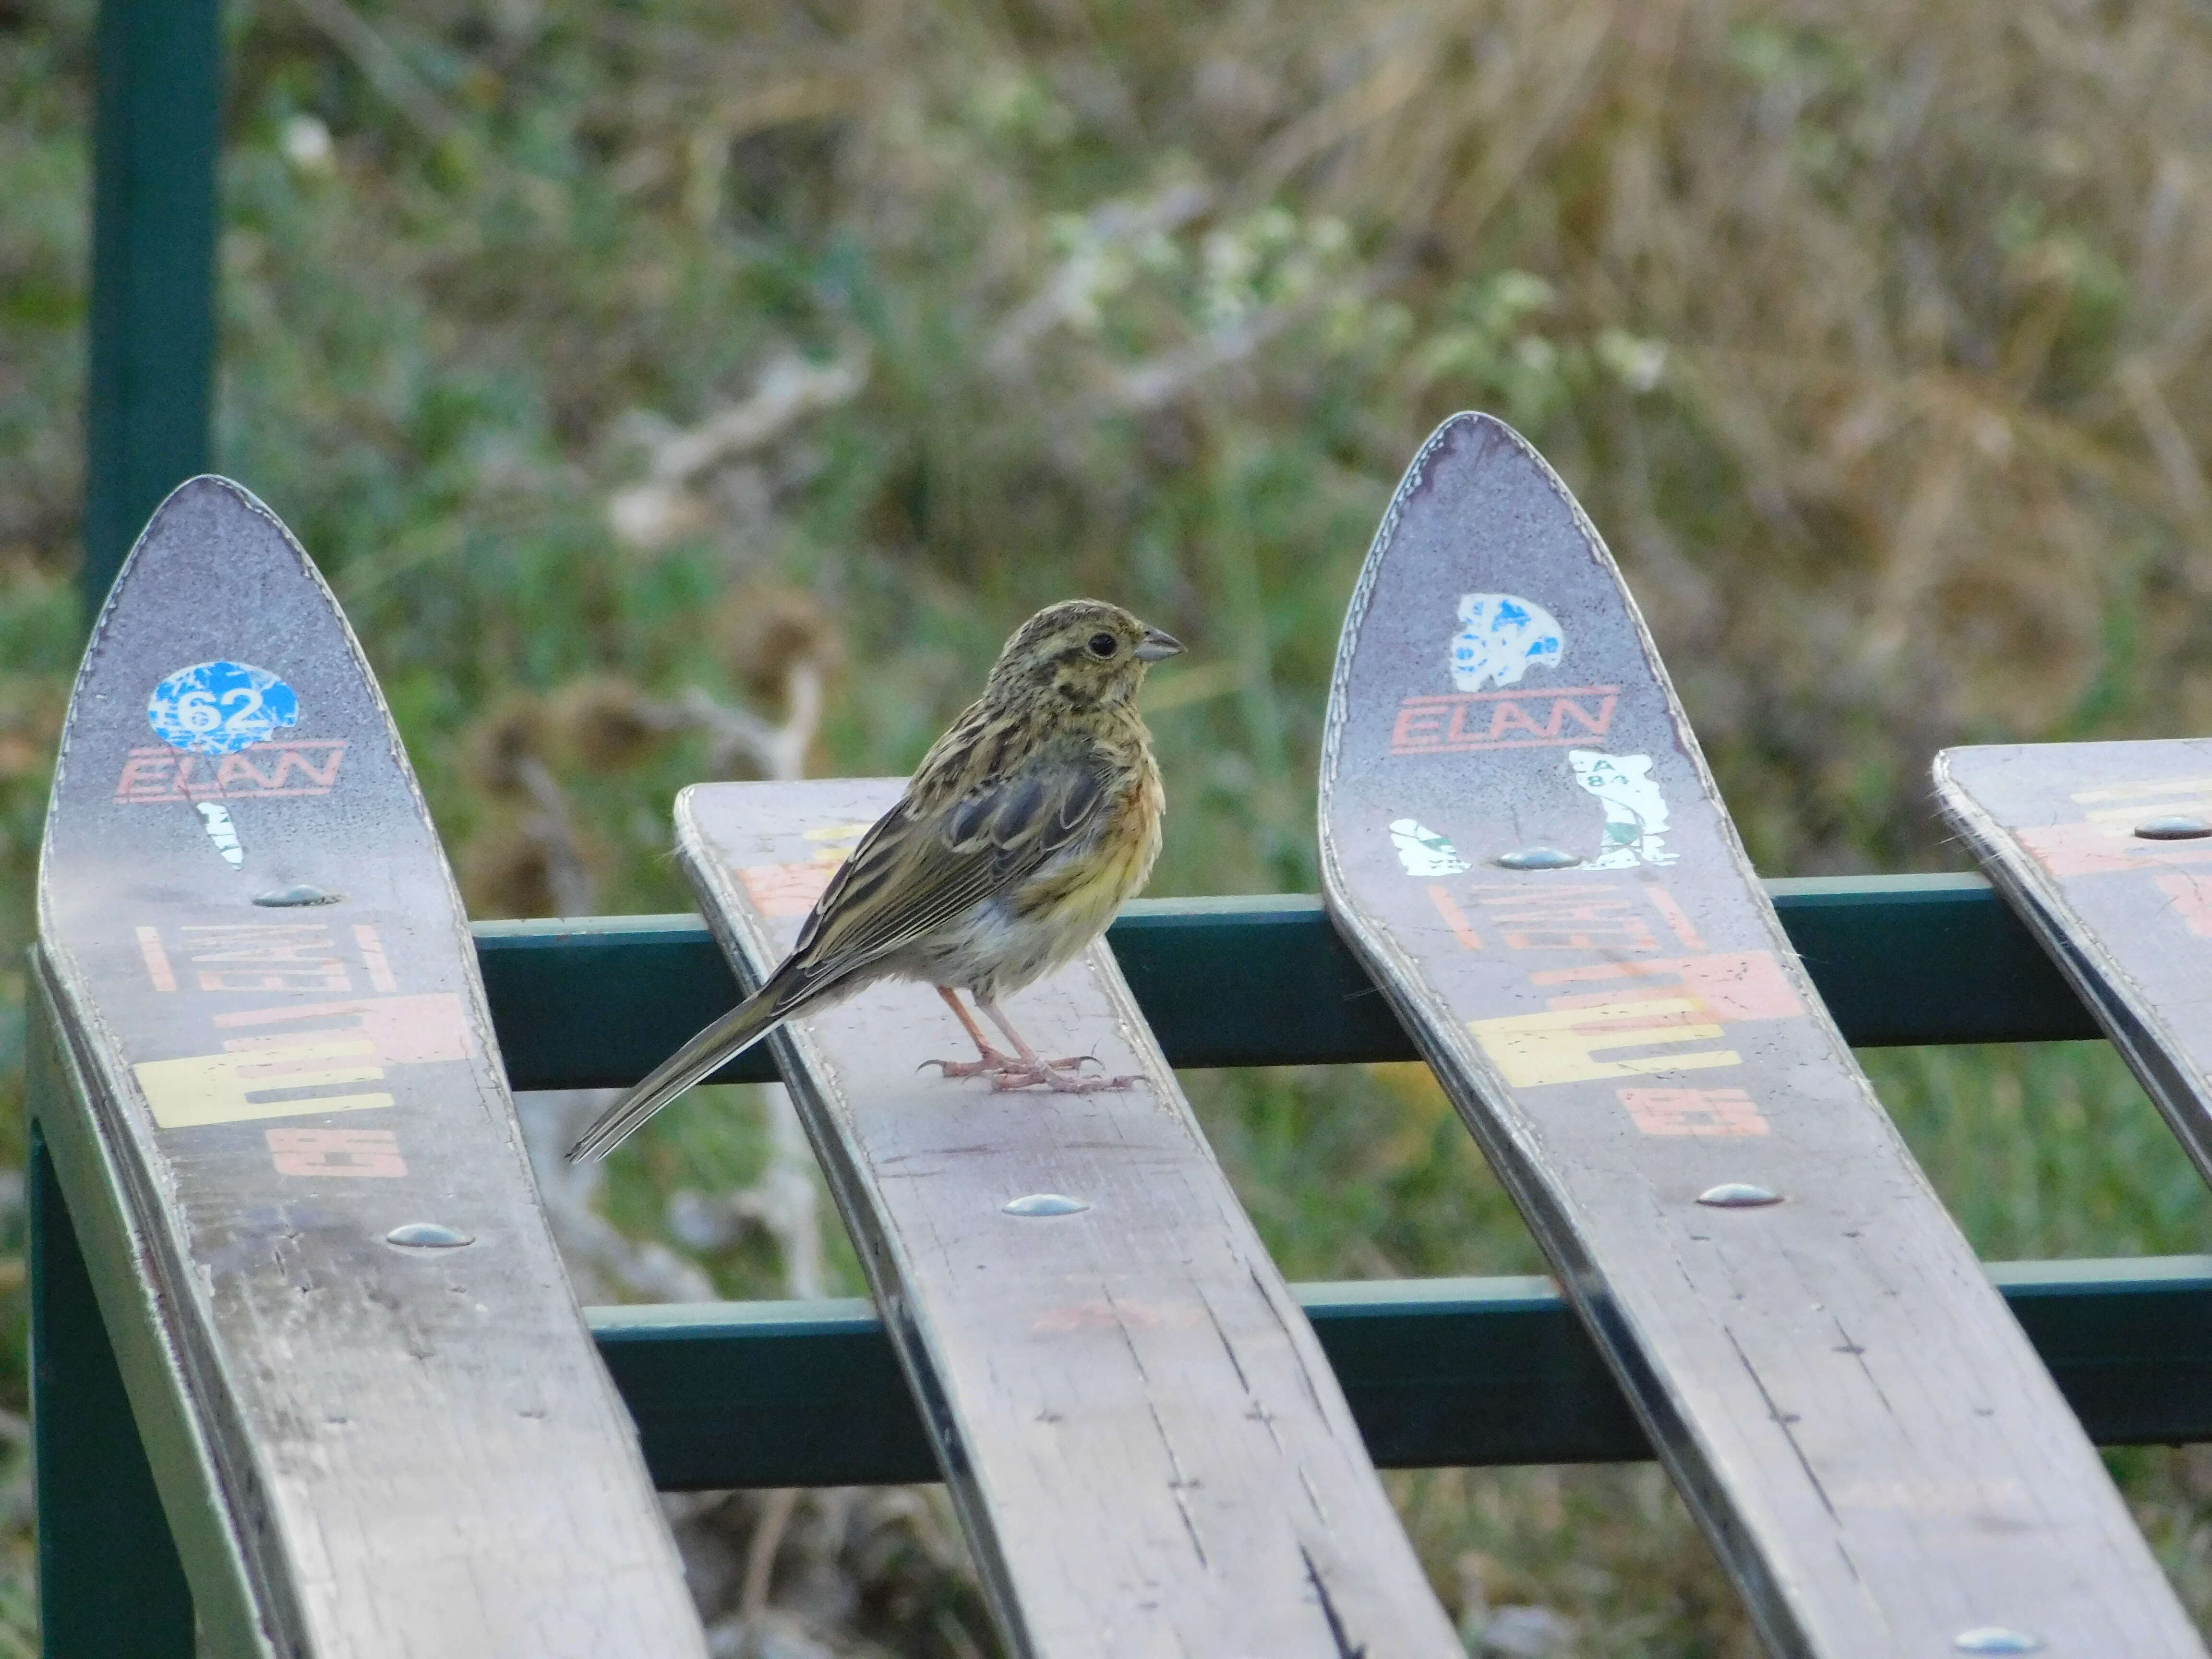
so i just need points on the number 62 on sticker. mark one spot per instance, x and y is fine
(219, 707)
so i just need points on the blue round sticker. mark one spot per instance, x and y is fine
(221, 708)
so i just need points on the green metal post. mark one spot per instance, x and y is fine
(109, 1580)
(156, 142)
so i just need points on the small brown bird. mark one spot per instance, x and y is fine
(1019, 835)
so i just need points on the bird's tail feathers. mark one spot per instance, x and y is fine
(708, 1052)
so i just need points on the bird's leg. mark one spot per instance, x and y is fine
(992, 1063)
(1034, 1068)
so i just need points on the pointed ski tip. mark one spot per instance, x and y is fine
(210, 490)
(204, 497)
(211, 521)
(1464, 445)
(198, 505)
(1477, 420)
(200, 482)
(1490, 430)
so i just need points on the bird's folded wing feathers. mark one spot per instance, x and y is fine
(925, 862)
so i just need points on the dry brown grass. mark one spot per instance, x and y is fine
(1874, 333)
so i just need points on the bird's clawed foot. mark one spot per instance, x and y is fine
(1031, 1070)
(1062, 1077)
(991, 1065)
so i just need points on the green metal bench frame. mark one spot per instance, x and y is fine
(1459, 1371)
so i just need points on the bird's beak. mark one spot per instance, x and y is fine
(1156, 645)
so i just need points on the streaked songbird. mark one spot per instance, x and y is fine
(1018, 837)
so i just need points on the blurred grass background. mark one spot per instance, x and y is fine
(608, 353)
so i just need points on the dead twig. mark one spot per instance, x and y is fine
(651, 514)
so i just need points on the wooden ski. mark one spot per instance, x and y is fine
(374, 1414)
(2105, 850)
(1520, 838)
(1151, 1455)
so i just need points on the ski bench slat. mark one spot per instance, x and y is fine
(1519, 835)
(1148, 1451)
(2105, 850)
(273, 1102)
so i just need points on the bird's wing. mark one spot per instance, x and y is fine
(928, 860)
(951, 841)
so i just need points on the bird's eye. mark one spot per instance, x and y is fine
(1104, 645)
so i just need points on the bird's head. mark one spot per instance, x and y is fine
(1082, 652)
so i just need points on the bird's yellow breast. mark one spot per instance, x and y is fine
(1078, 898)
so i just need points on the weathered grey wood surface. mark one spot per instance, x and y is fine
(368, 1448)
(1867, 1439)
(1149, 1451)
(2127, 918)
